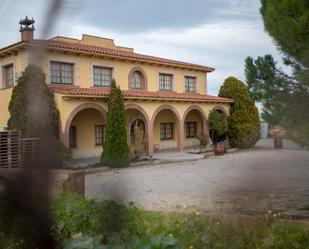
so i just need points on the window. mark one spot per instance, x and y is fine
(73, 137)
(99, 135)
(61, 73)
(166, 131)
(165, 82)
(8, 74)
(190, 129)
(102, 76)
(137, 81)
(190, 84)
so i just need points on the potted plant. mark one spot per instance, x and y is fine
(217, 123)
(203, 139)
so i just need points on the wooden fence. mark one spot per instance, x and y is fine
(31, 152)
(16, 151)
(10, 149)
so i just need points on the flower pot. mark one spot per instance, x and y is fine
(219, 149)
(278, 143)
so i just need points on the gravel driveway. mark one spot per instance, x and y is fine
(246, 181)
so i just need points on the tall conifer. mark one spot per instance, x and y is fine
(115, 148)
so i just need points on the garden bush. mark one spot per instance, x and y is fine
(89, 224)
(115, 148)
(217, 124)
(116, 226)
(243, 122)
(32, 108)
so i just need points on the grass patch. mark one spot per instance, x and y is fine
(83, 224)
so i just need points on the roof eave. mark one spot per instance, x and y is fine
(65, 95)
(204, 69)
(11, 48)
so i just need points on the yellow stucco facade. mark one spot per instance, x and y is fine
(83, 105)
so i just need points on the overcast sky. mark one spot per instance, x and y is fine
(216, 33)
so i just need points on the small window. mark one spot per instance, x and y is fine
(8, 76)
(99, 135)
(166, 131)
(166, 82)
(102, 76)
(61, 73)
(190, 129)
(137, 81)
(73, 137)
(190, 84)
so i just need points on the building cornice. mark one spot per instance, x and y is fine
(102, 92)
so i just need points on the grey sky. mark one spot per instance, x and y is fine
(216, 33)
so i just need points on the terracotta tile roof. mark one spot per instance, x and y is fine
(130, 94)
(116, 53)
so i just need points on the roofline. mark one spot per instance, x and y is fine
(105, 94)
(144, 98)
(36, 43)
(12, 46)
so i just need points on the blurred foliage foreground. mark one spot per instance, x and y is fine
(89, 224)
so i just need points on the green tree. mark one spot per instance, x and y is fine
(243, 122)
(285, 98)
(217, 124)
(287, 22)
(268, 85)
(115, 148)
(32, 108)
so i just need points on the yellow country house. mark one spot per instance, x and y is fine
(168, 98)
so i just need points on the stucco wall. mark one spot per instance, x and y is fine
(5, 96)
(85, 122)
(83, 72)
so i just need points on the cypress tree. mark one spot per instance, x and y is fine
(115, 149)
(32, 108)
(243, 122)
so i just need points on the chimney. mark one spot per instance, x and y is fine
(26, 29)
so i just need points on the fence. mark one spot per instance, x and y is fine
(16, 151)
(10, 149)
(31, 152)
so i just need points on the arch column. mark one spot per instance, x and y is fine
(181, 143)
(150, 139)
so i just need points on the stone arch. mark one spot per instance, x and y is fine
(220, 109)
(144, 117)
(76, 110)
(202, 115)
(179, 126)
(142, 72)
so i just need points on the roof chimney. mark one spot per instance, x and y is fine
(26, 29)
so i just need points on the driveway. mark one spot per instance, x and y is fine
(246, 181)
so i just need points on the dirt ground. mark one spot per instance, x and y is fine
(245, 181)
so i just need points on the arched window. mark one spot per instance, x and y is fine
(137, 80)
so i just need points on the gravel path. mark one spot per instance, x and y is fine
(244, 181)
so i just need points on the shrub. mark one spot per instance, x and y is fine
(243, 122)
(217, 126)
(32, 108)
(115, 149)
(203, 139)
(83, 223)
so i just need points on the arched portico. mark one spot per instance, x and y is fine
(83, 129)
(194, 122)
(135, 113)
(166, 129)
